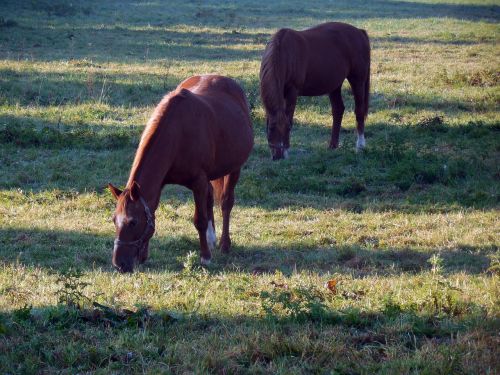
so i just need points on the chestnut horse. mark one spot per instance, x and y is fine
(314, 62)
(199, 136)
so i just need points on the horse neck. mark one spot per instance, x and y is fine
(274, 83)
(151, 165)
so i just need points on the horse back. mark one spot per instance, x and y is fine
(216, 131)
(331, 52)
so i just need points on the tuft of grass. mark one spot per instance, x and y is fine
(485, 77)
(432, 124)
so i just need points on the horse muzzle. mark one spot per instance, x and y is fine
(124, 267)
(278, 151)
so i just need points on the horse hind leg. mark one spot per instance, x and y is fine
(227, 202)
(337, 114)
(360, 110)
(210, 234)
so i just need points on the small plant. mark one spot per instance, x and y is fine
(437, 264)
(71, 288)
(190, 263)
(433, 123)
(300, 304)
(494, 267)
(444, 299)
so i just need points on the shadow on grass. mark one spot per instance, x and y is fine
(409, 40)
(102, 35)
(359, 9)
(60, 250)
(127, 339)
(116, 96)
(407, 167)
(91, 42)
(101, 88)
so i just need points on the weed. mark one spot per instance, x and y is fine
(437, 264)
(71, 288)
(190, 262)
(494, 267)
(432, 123)
(299, 304)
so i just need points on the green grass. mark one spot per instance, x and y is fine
(408, 229)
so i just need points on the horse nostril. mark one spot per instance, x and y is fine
(126, 268)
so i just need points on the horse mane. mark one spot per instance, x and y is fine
(150, 133)
(272, 78)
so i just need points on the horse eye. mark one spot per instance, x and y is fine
(133, 222)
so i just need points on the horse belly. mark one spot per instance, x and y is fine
(233, 148)
(318, 87)
(327, 68)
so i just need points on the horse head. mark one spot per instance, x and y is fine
(278, 128)
(134, 225)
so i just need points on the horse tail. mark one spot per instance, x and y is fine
(367, 82)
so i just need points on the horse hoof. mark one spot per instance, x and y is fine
(225, 247)
(360, 143)
(205, 261)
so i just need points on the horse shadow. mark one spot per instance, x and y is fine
(59, 250)
(313, 176)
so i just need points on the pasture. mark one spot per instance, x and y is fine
(382, 261)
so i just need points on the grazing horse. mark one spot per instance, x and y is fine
(313, 62)
(199, 136)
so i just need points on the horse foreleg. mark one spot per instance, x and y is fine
(291, 102)
(227, 202)
(200, 194)
(337, 114)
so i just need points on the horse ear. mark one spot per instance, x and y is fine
(135, 192)
(114, 190)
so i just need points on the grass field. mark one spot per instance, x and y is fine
(385, 261)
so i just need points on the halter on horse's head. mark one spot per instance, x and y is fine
(135, 225)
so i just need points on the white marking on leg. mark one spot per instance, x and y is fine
(361, 143)
(285, 153)
(211, 237)
(205, 262)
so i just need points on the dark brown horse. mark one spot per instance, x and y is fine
(199, 136)
(314, 62)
